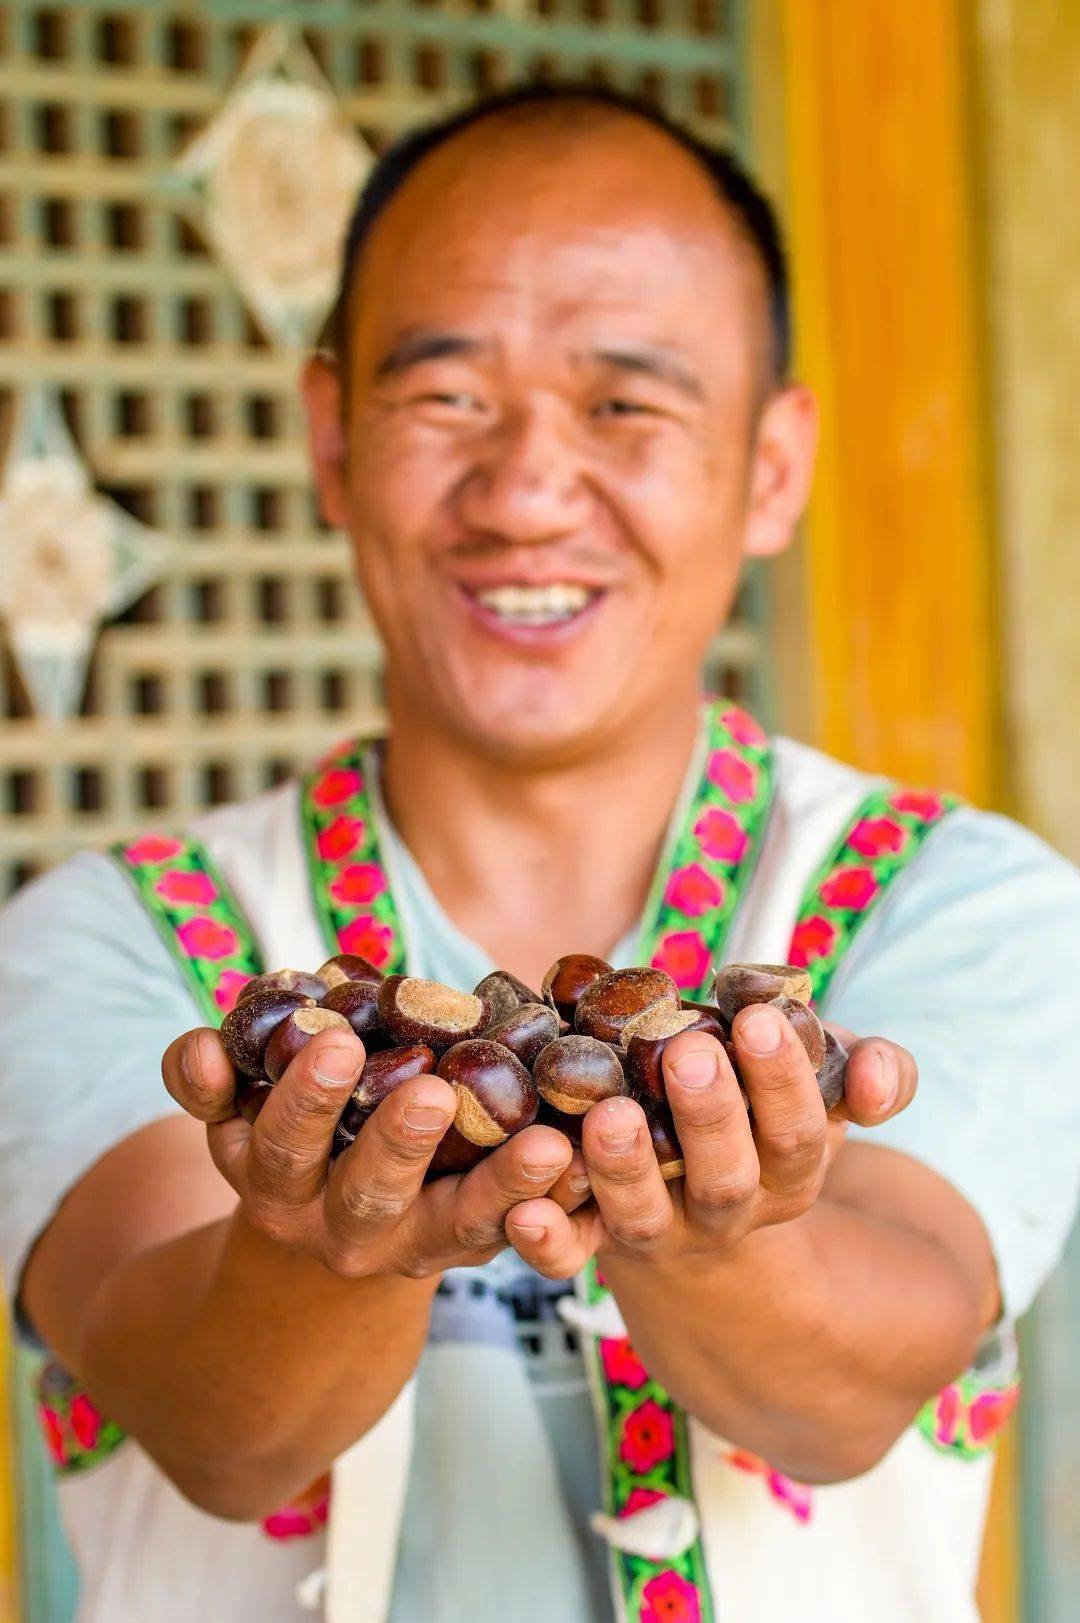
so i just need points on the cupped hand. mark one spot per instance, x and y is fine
(743, 1172)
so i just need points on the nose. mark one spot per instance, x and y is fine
(527, 483)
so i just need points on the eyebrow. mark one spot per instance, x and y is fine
(417, 347)
(653, 363)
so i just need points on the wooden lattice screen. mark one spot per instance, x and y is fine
(252, 651)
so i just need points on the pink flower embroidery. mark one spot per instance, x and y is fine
(153, 848)
(340, 838)
(852, 888)
(621, 1363)
(203, 937)
(305, 1517)
(53, 1432)
(721, 836)
(811, 939)
(358, 883)
(338, 783)
(736, 777)
(796, 1495)
(179, 885)
(640, 1499)
(877, 837)
(921, 803)
(989, 1412)
(692, 891)
(670, 1598)
(85, 1421)
(228, 988)
(743, 728)
(648, 1437)
(685, 957)
(948, 1412)
(366, 936)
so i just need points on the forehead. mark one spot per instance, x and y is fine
(556, 227)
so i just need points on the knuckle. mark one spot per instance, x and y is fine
(798, 1142)
(366, 1205)
(643, 1230)
(474, 1233)
(276, 1161)
(414, 1267)
(728, 1192)
(270, 1220)
(345, 1260)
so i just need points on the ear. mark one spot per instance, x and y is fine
(320, 386)
(781, 470)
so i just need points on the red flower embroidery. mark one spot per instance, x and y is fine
(877, 837)
(369, 938)
(989, 1412)
(338, 783)
(303, 1518)
(358, 883)
(340, 838)
(153, 848)
(721, 836)
(948, 1412)
(743, 728)
(85, 1421)
(743, 1460)
(736, 777)
(685, 957)
(621, 1363)
(669, 1598)
(692, 891)
(203, 937)
(53, 1432)
(228, 988)
(921, 803)
(811, 939)
(648, 1437)
(179, 885)
(852, 888)
(640, 1499)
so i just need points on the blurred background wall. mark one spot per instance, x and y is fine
(172, 182)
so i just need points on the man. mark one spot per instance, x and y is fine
(556, 420)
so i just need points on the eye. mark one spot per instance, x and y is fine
(617, 407)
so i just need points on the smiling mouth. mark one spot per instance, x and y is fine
(554, 604)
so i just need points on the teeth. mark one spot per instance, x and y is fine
(536, 605)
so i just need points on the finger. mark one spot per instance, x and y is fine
(573, 1188)
(377, 1181)
(198, 1075)
(789, 1116)
(722, 1171)
(627, 1185)
(228, 1142)
(879, 1082)
(289, 1153)
(557, 1244)
(528, 1164)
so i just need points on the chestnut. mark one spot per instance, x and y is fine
(291, 980)
(248, 1027)
(567, 978)
(830, 1074)
(665, 1143)
(610, 1003)
(454, 1154)
(382, 1073)
(348, 966)
(806, 1025)
(503, 993)
(738, 985)
(294, 1032)
(496, 1096)
(570, 1126)
(574, 1073)
(525, 1030)
(418, 1011)
(358, 1001)
(648, 1036)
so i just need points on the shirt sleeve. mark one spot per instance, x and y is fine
(970, 963)
(89, 1001)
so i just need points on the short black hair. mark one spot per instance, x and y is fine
(754, 213)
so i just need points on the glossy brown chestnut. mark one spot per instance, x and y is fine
(454, 1154)
(496, 1096)
(574, 1073)
(358, 1001)
(831, 1073)
(738, 985)
(289, 980)
(665, 1142)
(807, 1027)
(648, 1036)
(348, 966)
(294, 1032)
(247, 1028)
(567, 978)
(608, 1006)
(525, 1030)
(382, 1073)
(503, 993)
(418, 1011)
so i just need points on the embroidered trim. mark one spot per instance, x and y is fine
(76, 1434)
(967, 1416)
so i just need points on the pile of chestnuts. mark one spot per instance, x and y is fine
(513, 1056)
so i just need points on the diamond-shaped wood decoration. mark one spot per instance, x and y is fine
(271, 183)
(69, 557)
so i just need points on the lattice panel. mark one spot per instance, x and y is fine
(253, 651)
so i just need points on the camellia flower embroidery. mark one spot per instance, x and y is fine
(721, 836)
(670, 1598)
(921, 803)
(877, 837)
(811, 939)
(203, 937)
(153, 848)
(743, 728)
(185, 887)
(852, 888)
(684, 956)
(228, 988)
(621, 1363)
(335, 786)
(648, 1437)
(360, 882)
(736, 777)
(692, 891)
(366, 936)
(340, 838)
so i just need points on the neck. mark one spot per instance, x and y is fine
(533, 862)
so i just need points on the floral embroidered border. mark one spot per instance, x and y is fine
(76, 1434)
(968, 1415)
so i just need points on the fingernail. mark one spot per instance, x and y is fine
(424, 1118)
(579, 1185)
(888, 1080)
(696, 1069)
(760, 1032)
(528, 1231)
(539, 1174)
(336, 1065)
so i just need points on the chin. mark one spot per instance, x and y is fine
(530, 717)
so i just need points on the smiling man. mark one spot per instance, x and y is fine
(554, 416)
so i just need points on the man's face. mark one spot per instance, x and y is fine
(554, 394)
